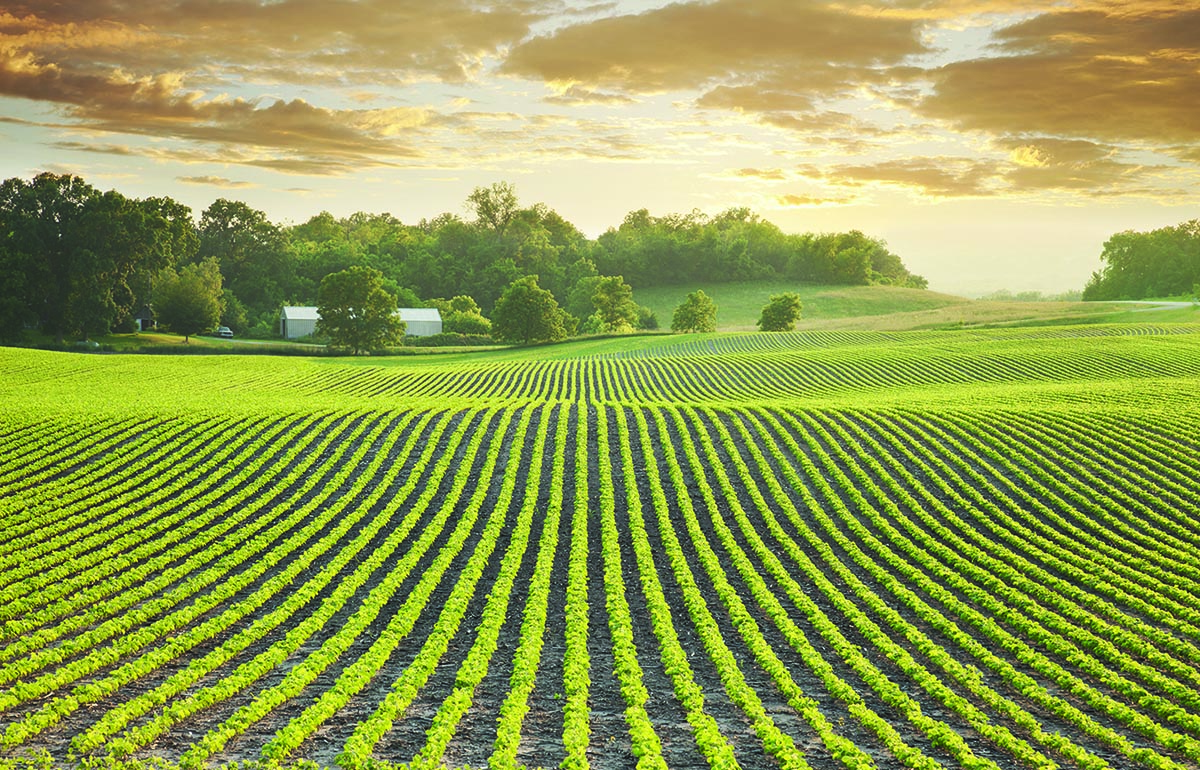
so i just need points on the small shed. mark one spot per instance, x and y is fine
(143, 320)
(297, 321)
(421, 321)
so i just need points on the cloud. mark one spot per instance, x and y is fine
(216, 181)
(1021, 167)
(1048, 163)
(806, 201)
(162, 69)
(686, 46)
(576, 96)
(1125, 72)
(773, 174)
(937, 177)
(105, 149)
(1083, 97)
(308, 41)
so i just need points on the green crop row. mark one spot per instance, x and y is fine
(812, 549)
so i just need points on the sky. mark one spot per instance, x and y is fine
(994, 144)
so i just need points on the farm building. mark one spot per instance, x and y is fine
(298, 321)
(143, 320)
(421, 321)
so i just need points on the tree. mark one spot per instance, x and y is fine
(190, 301)
(357, 312)
(254, 255)
(528, 313)
(780, 313)
(466, 323)
(1160, 263)
(461, 315)
(73, 257)
(697, 313)
(494, 206)
(615, 309)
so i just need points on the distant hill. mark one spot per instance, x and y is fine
(892, 308)
(740, 303)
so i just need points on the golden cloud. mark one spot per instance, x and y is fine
(937, 177)
(1042, 164)
(805, 201)
(772, 175)
(687, 46)
(1049, 163)
(158, 69)
(1123, 73)
(350, 41)
(215, 181)
(576, 96)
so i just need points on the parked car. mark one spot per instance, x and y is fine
(225, 332)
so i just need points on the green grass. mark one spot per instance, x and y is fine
(890, 308)
(740, 303)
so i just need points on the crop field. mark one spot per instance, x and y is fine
(818, 549)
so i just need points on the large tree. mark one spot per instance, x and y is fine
(780, 313)
(254, 255)
(528, 313)
(79, 258)
(357, 312)
(495, 206)
(615, 310)
(190, 301)
(697, 313)
(1159, 263)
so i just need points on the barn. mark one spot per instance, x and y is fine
(298, 321)
(421, 321)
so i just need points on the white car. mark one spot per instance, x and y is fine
(225, 332)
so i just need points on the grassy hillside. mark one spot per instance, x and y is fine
(739, 303)
(890, 308)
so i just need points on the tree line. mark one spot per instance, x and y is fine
(75, 261)
(1159, 263)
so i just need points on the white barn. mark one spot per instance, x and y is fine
(421, 321)
(298, 321)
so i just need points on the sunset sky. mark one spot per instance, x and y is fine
(992, 143)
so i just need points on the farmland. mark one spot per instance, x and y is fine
(818, 549)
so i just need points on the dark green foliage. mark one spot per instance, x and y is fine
(697, 313)
(1160, 263)
(647, 320)
(101, 267)
(528, 313)
(357, 312)
(189, 302)
(256, 263)
(76, 261)
(780, 313)
(233, 312)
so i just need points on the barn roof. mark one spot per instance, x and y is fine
(300, 313)
(309, 313)
(408, 314)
